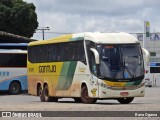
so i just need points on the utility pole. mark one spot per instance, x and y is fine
(43, 29)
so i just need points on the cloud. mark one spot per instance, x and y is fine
(96, 15)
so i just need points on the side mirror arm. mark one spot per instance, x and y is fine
(96, 55)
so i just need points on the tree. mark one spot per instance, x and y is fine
(18, 17)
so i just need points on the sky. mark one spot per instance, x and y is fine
(75, 16)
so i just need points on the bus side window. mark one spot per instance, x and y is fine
(13, 60)
(49, 53)
(45, 53)
(53, 53)
(71, 53)
(80, 56)
(61, 53)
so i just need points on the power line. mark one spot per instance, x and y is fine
(43, 29)
(72, 32)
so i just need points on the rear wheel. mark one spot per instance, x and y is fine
(39, 90)
(125, 100)
(44, 96)
(85, 98)
(41, 95)
(15, 88)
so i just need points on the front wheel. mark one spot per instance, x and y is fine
(15, 88)
(85, 98)
(125, 100)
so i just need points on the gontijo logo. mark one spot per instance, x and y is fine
(47, 68)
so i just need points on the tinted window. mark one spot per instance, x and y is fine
(154, 69)
(70, 51)
(14, 46)
(13, 60)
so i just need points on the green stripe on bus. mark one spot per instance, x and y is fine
(133, 83)
(62, 76)
(138, 82)
(129, 83)
(70, 74)
(66, 75)
(76, 39)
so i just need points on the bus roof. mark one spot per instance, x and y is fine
(20, 46)
(97, 37)
(12, 51)
(13, 44)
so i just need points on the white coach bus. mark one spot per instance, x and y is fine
(87, 67)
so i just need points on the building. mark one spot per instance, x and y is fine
(154, 49)
(11, 38)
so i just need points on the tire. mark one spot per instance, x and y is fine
(77, 100)
(41, 95)
(44, 96)
(39, 90)
(125, 100)
(15, 88)
(85, 98)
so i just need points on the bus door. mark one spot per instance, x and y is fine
(93, 78)
(93, 89)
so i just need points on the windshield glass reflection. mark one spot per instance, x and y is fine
(120, 61)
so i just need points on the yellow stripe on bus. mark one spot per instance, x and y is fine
(115, 84)
(64, 38)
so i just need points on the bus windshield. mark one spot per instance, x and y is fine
(121, 62)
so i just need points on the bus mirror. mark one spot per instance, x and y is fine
(96, 55)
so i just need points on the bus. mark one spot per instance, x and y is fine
(86, 67)
(146, 56)
(13, 71)
(155, 74)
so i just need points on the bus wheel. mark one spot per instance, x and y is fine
(14, 88)
(77, 100)
(39, 90)
(85, 98)
(125, 100)
(44, 96)
(41, 95)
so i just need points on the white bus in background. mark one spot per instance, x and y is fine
(155, 73)
(13, 78)
(152, 71)
(146, 56)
